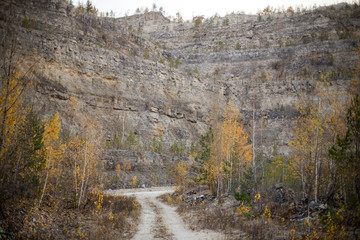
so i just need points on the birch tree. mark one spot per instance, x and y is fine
(319, 122)
(224, 153)
(234, 142)
(91, 165)
(54, 151)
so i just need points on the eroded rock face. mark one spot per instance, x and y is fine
(118, 71)
(266, 65)
(150, 168)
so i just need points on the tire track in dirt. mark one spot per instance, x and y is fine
(160, 221)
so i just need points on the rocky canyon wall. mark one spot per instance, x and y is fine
(156, 77)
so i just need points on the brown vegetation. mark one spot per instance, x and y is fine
(111, 218)
(51, 183)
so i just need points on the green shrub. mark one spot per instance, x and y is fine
(131, 142)
(242, 197)
(157, 144)
(177, 149)
(331, 58)
(221, 45)
(146, 55)
(344, 35)
(198, 21)
(263, 76)
(172, 63)
(25, 22)
(226, 22)
(324, 36)
(177, 62)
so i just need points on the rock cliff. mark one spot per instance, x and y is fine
(147, 74)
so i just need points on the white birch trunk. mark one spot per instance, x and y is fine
(76, 192)
(303, 179)
(82, 180)
(316, 154)
(253, 141)
(46, 179)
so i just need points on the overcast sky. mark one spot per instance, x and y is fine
(190, 8)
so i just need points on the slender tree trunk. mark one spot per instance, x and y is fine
(2, 130)
(8, 75)
(83, 177)
(329, 178)
(240, 175)
(228, 161)
(316, 178)
(282, 171)
(4, 113)
(263, 168)
(88, 176)
(46, 179)
(59, 177)
(218, 188)
(123, 130)
(330, 171)
(317, 154)
(86, 184)
(343, 189)
(231, 172)
(253, 141)
(75, 174)
(303, 179)
(17, 166)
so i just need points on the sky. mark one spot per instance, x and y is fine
(206, 8)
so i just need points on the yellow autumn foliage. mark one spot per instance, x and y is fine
(181, 177)
(11, 112)
(235, 151)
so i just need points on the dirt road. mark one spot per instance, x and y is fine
(160, 221)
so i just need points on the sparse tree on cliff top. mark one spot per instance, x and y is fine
(154, 7)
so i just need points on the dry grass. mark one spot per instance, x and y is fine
(114, 219)
(223, 217)
(21, 220)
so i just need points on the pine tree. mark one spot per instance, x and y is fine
(346, 152)
(31, 158)
(21, 155)
(88, 6)
(203, 159)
